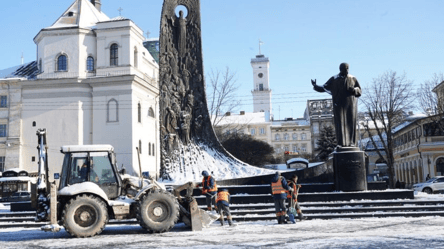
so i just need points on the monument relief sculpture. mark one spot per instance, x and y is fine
(188, 141)
(345, 90)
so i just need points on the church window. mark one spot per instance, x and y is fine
(112, 111)
(90, 64)
(2, 164)
(62, 64)
(114, 55)
(151, 112)
(136, 58)
(139, 113)
(3, 130)
(3, 101)
(40, 66)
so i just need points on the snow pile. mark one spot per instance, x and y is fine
(193, 159)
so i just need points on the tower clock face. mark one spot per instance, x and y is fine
(260, 75)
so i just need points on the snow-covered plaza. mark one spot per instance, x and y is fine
(424, 232)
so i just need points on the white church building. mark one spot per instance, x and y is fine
(93, 82)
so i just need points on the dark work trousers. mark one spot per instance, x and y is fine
(223, 208)
(210, 200)
(279, 205)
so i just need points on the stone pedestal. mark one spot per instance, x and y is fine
(349, 169)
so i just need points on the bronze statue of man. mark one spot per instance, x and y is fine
(345, 90)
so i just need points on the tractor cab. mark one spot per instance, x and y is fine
(91, 163)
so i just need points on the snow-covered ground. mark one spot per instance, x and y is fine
(423, 232)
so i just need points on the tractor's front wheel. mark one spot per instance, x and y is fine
(158, 211)
(85, 216)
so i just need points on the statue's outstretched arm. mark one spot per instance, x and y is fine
(316, 87)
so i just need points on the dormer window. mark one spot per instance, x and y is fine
(62, 64)
(114, 55)
(90, 64)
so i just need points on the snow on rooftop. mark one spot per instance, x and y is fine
(82, 13)
(242, 119)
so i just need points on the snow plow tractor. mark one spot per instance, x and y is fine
(91, 191)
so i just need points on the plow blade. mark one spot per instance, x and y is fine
(201, 218)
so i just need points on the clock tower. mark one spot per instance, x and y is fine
(261, 88)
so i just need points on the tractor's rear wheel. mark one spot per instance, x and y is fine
(85, 216)
(158, 211)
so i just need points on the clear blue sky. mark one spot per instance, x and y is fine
(303, 39)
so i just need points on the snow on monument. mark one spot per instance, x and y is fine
(188, 141)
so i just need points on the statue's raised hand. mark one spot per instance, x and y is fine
(313, 82)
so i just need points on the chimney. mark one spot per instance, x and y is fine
(242, 112)
(98, 4)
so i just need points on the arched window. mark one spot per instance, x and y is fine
(136, 59)
(277, 137)
(286, 136)
(112, 111)
(90, 64)
(139, 113)
(62, 64)
(151, 112)
(295, 136)
(114, 55)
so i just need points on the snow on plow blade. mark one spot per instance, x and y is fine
(201, 218)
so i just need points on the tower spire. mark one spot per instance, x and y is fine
(260, 43)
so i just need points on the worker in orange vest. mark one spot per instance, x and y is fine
(293, 196)
(223, 205)
(209, 189)
(279, 190)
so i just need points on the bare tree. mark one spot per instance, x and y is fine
(430, 101)
(221, 94)
(385, 101)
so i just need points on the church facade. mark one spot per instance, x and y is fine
(93, 82)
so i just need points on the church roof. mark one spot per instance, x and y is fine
(82, 14)
(27, 70)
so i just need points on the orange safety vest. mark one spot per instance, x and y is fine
(294, 191)
(276, 188)
(204, 191)
(222, 196)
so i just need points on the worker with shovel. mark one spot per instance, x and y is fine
(209, 189)
(223, 205)
(293, 208)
